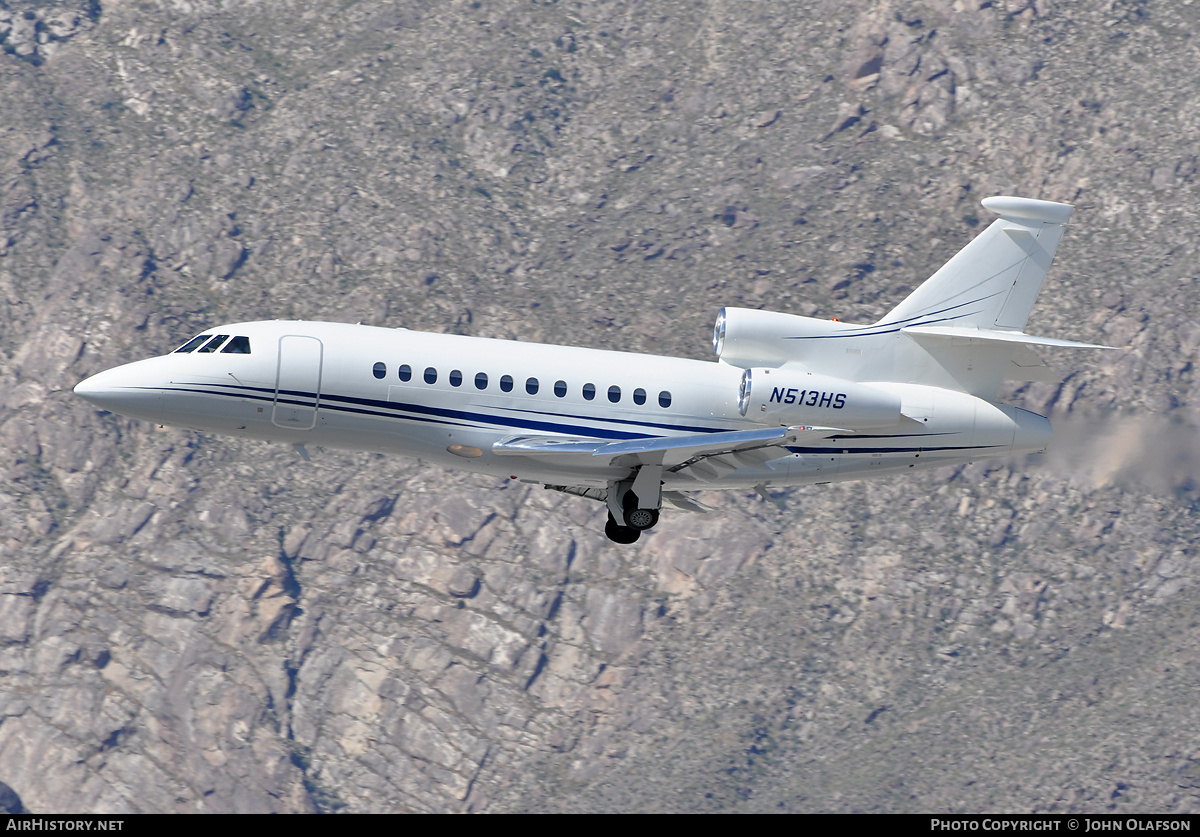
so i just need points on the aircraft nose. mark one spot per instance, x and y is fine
(93, 389)
(133, 390)
(99, 389)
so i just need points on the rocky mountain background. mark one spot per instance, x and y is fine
(191, 623)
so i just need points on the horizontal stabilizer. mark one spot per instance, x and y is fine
(676, 448)
(1025, 365)
(996, 336)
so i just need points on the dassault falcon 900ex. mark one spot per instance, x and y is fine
(791, 400)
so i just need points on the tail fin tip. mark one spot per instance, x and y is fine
(1029, 209)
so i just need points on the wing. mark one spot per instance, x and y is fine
(702, 457)
(671, 452)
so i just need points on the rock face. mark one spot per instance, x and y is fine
(198, 624)
(10, 803)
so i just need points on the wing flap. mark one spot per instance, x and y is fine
(681, 501)
(675, 499)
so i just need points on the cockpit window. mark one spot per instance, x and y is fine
(215, 343)
(237, 346)
(192, 344)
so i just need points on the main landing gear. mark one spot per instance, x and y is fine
(620, 534)
(633, 505)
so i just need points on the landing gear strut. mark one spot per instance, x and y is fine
(633, 505)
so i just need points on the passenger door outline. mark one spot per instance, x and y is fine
(298, 378)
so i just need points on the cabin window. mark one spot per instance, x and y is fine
(664, 399)
(639, 396)
(456, 378)
(192, 344)
(531, 386)
(237, 346)
(589, 392)
(430, 375)
(481, 380)
(215, 343)
(506, 383)
(560, 389)
(405, 372)
(379, 369)
(614, 393)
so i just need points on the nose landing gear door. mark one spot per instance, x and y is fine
(297, 383)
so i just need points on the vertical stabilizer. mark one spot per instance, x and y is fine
(993, 282)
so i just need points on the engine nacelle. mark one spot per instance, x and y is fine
(748, 337)
(792, 396)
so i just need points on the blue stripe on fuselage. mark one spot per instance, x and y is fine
(385, 409)
(844, 449)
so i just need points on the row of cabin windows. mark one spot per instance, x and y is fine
(236, 346)
(507, 383)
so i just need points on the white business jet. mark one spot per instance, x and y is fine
(791, 400)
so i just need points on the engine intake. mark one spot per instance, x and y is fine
(748, 337)
(798, 397)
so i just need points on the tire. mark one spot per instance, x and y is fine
(635, 518)
(621, 534)
(641, 519)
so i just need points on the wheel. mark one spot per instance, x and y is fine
(620, 534)
(641, 519)
(636, 518)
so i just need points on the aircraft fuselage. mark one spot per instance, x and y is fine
(449, 399)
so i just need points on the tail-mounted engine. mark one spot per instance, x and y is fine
(748, 337)
(798, 397)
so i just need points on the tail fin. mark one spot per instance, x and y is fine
(993, 282)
